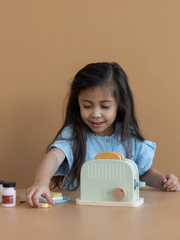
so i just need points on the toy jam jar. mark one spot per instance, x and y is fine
(9, 194)
(1, 188)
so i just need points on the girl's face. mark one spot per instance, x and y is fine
(98, 109)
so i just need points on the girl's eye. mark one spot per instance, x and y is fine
(105, 107)
(86, 106)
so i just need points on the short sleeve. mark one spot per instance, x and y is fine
(65, 144)
(144, 154)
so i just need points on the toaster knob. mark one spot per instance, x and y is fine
(119, 193)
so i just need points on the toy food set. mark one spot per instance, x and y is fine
(110, 180)
(56, 197)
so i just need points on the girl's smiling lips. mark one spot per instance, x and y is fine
(97, 124)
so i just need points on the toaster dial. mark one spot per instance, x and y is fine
(119, 193)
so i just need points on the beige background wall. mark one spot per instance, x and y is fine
(43, 43)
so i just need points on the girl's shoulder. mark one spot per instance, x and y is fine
(144, 145)
(135, 141)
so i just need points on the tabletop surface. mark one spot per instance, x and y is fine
(158, 218)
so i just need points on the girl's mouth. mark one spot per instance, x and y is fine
(96, 124)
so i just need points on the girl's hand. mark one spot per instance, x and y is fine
(35, 191)
(170, 183)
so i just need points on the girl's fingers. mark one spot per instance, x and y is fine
(32, 198)
(169, 181)
(29, 199)
(172, 189)
(164, 180)
(172, 184)
(49, 199)
(35, 199)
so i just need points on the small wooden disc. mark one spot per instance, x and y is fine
(45, 205)
(119, 193)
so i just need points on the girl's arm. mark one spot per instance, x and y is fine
(155, 179)
(48, 166)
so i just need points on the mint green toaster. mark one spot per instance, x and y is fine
(110, 182)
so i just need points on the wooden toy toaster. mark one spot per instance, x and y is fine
(110, 180)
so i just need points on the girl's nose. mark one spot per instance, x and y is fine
(96, 113)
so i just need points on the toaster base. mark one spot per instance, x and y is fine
(136, 203)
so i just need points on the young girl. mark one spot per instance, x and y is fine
(100, 117)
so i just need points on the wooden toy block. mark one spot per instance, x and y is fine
(55, 194)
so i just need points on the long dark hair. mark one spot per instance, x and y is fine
(95, 75)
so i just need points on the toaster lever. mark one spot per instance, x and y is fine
(139, 184)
